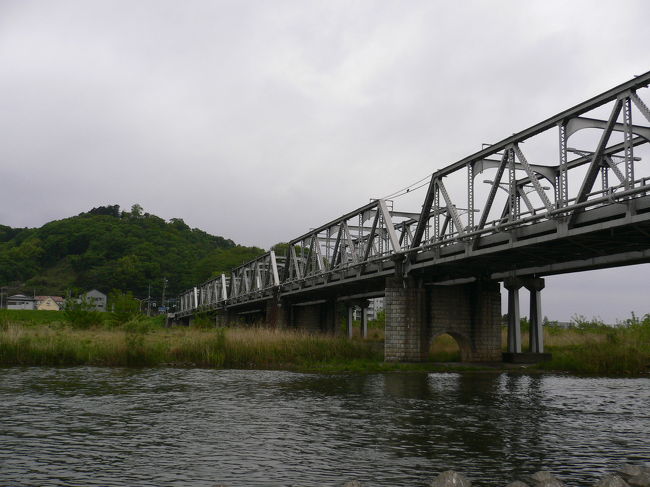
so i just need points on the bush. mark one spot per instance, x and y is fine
(204, 320)
(124, 307)
(81, 314)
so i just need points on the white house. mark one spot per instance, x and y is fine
(95, 298)
(20, 301)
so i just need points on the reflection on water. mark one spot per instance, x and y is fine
(152, 427)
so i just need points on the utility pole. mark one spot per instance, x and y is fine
(149, 300)
(163, 291)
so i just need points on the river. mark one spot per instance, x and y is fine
(196, 427)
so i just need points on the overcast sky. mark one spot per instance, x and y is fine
(257, 120)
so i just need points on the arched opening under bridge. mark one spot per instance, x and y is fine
(448, 347)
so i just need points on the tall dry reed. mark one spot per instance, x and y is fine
(232, 347)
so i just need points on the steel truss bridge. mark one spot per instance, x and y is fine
(570, 193)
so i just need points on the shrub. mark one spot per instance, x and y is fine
(81, 314)
(124, 307)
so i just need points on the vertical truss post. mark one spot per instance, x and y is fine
(436, 211)
(513, 198)
(627, 141)
(561, 187)
(360, 247)
(604, 178)
(224, 287)
(274, 268)
(470, 196)
(327, 247)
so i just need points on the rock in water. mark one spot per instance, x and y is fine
(544, 478)
(450, 479)
(641, 480)
(611, 480)
(627, 471)
(517, 483)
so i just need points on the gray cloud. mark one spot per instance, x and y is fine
(258, 120)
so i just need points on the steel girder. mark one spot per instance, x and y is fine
(554, 191)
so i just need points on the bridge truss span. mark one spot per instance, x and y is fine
(569, 193)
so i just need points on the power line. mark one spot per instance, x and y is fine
(409, 188)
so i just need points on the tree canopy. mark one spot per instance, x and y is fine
(107, 249)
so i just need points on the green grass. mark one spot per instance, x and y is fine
(619, 351)
(30, 316)
(44, 338)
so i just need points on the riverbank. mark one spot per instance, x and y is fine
(605, 351)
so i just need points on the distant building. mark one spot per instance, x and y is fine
(95, 298)
(20, 301)
(374, 307)
(49, 303)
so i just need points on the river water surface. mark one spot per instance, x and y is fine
(189, 427)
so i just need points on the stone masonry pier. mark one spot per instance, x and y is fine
(417, 314)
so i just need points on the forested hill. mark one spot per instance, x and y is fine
(107, 249)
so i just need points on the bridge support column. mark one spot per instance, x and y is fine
(221, 318)
(277, 314)
(308, 316)
(514, 319)
(406, 331)
(536, 352)
(535, 286)
(331, 322)
(364, 322)
(350, 320)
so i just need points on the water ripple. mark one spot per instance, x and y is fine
(178, 427)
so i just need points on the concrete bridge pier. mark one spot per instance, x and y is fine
(513, 285)
(535, 352)
(364, 321)
(535, 286)
(349, 319)
(363, 305)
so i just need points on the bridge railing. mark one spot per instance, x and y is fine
(582, 158)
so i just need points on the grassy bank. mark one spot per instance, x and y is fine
(38, 339)
(598, 349)
(140, 344)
